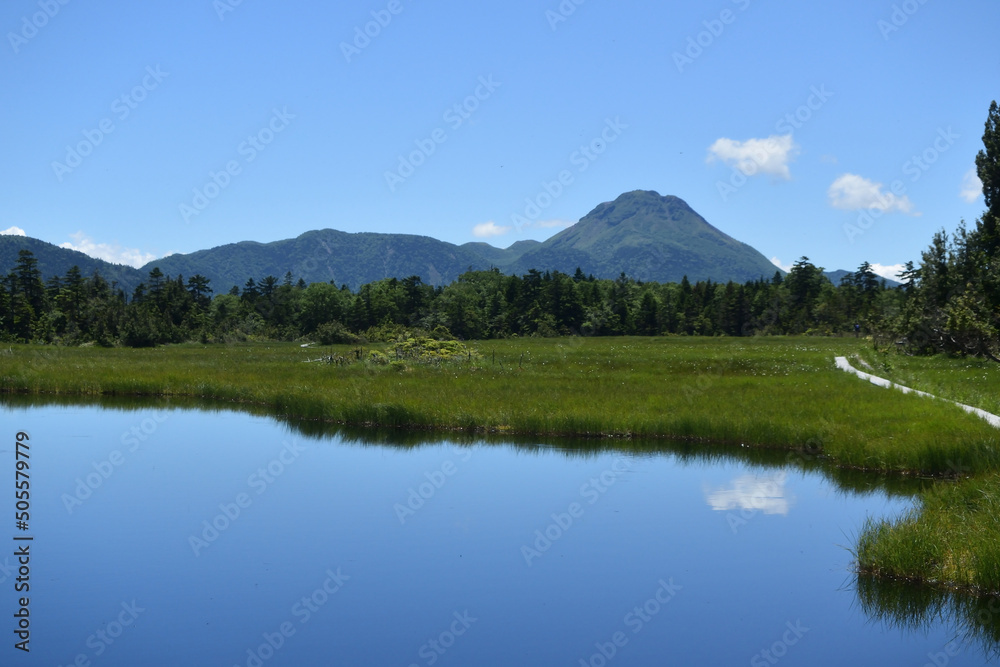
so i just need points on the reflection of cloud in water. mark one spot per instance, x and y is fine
(751, 492)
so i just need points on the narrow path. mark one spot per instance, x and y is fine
(844, 364)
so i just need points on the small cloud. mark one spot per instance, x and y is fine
(13, 231)
(829, 159)
(490, 229)
(757, 156)
(851, 192)
(890, 271)
(784, 267)
(972, 187)
(113, 253)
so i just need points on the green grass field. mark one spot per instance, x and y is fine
(952, 539)
(770, 392)
(778, 393)
(967, 380)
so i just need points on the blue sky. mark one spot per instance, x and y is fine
(845, 131)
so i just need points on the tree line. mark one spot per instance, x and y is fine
(951, 300)
(949, 303)
(76, 309)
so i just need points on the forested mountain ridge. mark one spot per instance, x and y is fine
(641, 234)
(56, 261)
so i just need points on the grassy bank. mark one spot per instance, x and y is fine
(781, 393)
(964, 379)
(772, 392)
(952, 539)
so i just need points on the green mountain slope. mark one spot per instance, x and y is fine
(647, 236)
(327, 255)
(56, 261)
(501, 257)
(650, 238)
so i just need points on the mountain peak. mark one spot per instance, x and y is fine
(650, 237)
(647, 236)
(645, 204)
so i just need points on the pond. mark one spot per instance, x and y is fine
(169, 536)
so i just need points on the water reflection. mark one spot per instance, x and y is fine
(762, 485)
(763, 493)
(914, 609)
(847, 481)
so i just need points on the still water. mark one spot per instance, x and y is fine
(191, 537)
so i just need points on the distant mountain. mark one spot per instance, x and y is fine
(650, 238)
(328, 255)
(56, 261)
(502, 256)
(647, 236)
(836, 276)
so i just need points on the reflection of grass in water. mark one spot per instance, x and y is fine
(778, 392)
(628, 394)
(910, 607)
(685, 452)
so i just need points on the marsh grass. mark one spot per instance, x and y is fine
(766, 392)
(968, 380)
(781, 397)
(951, 540)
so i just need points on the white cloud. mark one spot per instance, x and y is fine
(750, 492)
(972, 187)
(757, 156)
(490, 229)
(890, 271)
(851, 192)
(784, 267)
(108, 252)
(13, 231)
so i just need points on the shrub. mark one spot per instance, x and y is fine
(335, 333)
